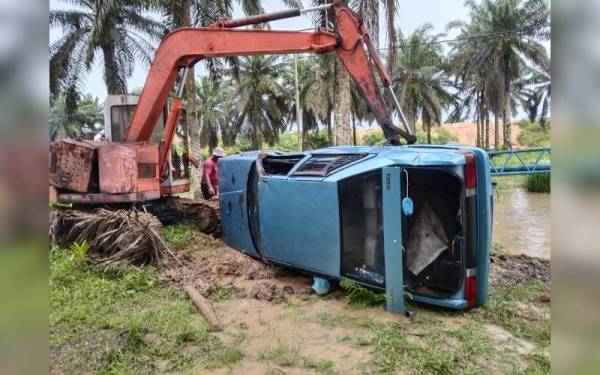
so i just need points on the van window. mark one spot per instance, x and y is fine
(120, 117)
(323, 165)
(361, 218)
(280, 165)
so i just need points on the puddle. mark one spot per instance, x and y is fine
(522, 222)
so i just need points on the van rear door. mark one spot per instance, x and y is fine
(392, 239)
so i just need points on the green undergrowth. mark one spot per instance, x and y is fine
(179, 235)
(537, 183)
(121, 320)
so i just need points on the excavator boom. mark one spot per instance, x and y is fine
(184, 47)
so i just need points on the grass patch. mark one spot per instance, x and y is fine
(222, 293)
(121, 320)
(179, 235)
(537, 183)
(502, 309)
(322, 366)
(282, 355)
(465, 350)
(499, 249)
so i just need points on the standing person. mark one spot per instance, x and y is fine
(210, 175)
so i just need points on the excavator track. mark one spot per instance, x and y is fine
(205, 214)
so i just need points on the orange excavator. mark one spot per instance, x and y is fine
(136, 167)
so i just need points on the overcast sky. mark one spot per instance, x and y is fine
(412, 13)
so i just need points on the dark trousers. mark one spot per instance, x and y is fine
(205, 193)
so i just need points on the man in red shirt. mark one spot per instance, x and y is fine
(210, 175)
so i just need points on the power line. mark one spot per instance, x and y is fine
(498, 34)
(480, 36)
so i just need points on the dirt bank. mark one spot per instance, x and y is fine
(218, 271)
(282, 327)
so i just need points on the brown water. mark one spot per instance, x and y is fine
(522, 222)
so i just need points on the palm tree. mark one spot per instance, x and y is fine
(535, 92)
(118, 31)
(506, 35)
(263, 101)
(342, 104)
(312, 105)
(209, 98)
(65, 124)
(419, 78)
(369, 11)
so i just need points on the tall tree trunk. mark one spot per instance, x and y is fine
(506, 113)
(487, 130)
(353, 130)
(114, 82)
(342, 106)
(191, 112)
(428, 124)
(329, 127)
(496, 132)
(478, 119)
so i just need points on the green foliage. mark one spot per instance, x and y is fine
(79, 250)
(86, 118)
(314, 141)
(179, 235)
(119, 31)
(533, 135)
(361, 296)
(537, 183)
(374, 138)
(120, 320)
(443, 136)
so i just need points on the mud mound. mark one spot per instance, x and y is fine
(218, 271)
(518, 268)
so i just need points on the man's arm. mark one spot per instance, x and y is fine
(206, 171)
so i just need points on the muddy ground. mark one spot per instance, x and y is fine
(280, 326)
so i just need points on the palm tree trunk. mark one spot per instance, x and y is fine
(496, 132)
(428, 124)
(114, 83)
(478, 119)
(506, 112)
(342, 106)
(353, 130)
(487, 130)
(329, 128)
(191, 112)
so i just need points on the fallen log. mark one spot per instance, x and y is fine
(205, 308)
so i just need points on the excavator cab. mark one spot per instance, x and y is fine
(109, 170)
(118, 113)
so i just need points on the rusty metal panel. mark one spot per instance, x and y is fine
(117, 168)
(147, 166)
(71, 164)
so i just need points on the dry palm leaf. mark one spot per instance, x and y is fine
(121, 236)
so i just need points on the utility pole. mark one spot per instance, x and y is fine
(298, 112)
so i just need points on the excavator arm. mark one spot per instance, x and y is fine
(184, 47)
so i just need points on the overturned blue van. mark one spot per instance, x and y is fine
(414, 219)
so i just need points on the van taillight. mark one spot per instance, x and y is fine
(470, 173)
(471, 286)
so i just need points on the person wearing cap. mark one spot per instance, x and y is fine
(210, 175)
